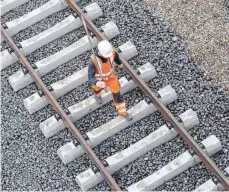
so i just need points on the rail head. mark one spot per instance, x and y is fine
(163, 109)
(51, 99)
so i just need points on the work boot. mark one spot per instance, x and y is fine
(128, 117)
(98, 100)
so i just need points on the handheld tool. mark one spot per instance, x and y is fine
(96, 59)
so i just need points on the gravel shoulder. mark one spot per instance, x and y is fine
(204, 24)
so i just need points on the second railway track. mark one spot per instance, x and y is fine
(142, 105)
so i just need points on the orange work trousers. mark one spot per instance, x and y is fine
(114, 87)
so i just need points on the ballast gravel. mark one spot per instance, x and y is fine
(30, 162)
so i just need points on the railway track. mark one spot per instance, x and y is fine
(101, 169)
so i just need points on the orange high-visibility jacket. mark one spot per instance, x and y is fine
(107, 69)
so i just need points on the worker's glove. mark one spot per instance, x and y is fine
(100, 84)
(120, 66)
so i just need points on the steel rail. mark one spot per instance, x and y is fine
(163, 109)
(52, 100)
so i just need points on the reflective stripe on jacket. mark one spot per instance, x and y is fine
(106, 69)
(91, 67)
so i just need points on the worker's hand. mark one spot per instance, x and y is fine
(120, 66)
(100, 84)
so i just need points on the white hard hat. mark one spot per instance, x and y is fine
(105, 48)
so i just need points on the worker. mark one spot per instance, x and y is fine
(106, 56)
